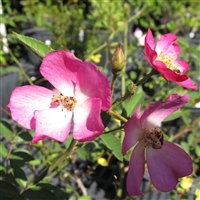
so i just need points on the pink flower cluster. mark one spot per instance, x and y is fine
(81, 92)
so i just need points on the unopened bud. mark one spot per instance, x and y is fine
(118, 60)
(131, 88)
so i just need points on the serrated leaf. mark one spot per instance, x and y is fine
(37, 193)
(36, 46)
(6, 130)
(131, 104)
(174, 115)
(113, 144)
(3, 150)
(8, 190)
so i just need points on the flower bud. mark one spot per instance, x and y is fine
(118, 60)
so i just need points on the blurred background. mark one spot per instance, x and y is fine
(92, 30)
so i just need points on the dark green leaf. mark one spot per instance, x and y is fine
(105, 118)
(20, 157)
(24, 136)
(3, 150)
(19, 175)
(6, 130)
(36, 46)
(8, 190)
(113, 144)
(131, 104)
(37, 193)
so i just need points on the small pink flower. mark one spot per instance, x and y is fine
(166, 161)
(82, 91)
(163, 58)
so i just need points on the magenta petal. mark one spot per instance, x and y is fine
(156, 112)
(52, 123)
(133, 131)
(136, 171)
(25, 100)
(60, 69)
(149, 39)
(167, 165)
(93, 83)
(87, 121)
(188, 84)
(183, 66)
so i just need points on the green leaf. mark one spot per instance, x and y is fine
(174, 115)
(82, 153)
(37, 193)
(8, 190)
(19, 175)
(36, 46)
(6, 130)
(3, 150)
(85, 198)
(20, 157)
(132, 103)
(113, 144)
(197, 150)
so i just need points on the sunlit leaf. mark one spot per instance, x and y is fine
(36, 46)
(3, 150)
(6, 130)
(174, 115)
(113, 144)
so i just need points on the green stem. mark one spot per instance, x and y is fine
(63, 156)
(113, 83)
(116, 116)
(153, 71)
(21, 68)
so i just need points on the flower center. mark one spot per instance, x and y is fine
(67, 102)
(153, 138)
(169, 62)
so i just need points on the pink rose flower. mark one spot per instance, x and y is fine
(166, 161)
(163, 58)
(81, 93)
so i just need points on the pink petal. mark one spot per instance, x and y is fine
(87, 121)
(60, 69)
(93, 83)
(52, 123)
(168, 74)
(149, 39)
(188, 84)
(150, 54)
(133, 131)
(183, 66)
(167, 165)
(165, 42)
(136, 171)
(156, 112)
(25, 100)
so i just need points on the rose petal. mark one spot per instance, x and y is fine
(25, 100)
(183, 66)
(133, 131)
(149, 39)
(60, 69)
(156, 112)
(188, 84)
(136, 171)
(93, 83)
(87, 121)
(52, 123)
(165, 42)
(166, 165)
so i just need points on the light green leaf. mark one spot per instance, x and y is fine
(6, 130)
(36, 46)
(174, 115)
(113, 144)
(3, 151)
(132, 103)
